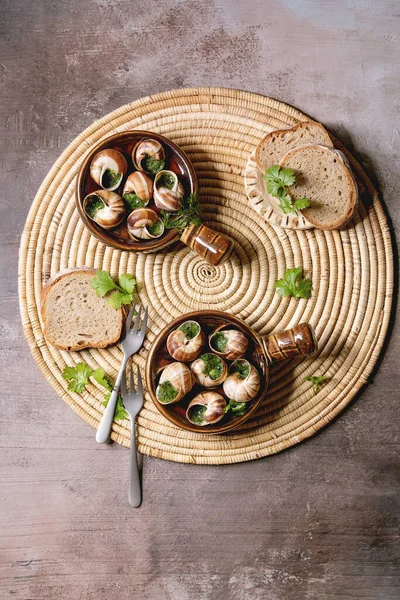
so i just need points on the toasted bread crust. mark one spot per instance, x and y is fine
(280, 132)
(74, 271)
(60, 275)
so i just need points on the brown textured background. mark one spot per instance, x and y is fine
(317, 521)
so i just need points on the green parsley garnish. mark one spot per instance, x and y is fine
(196, 413)
(241, 368)
(294, 284)
(190, 329)
(301, 203)
(166, 180)
(219, 341)
(166, 392)
(153, 166)
(120, 412)
(316, 381)
(278, 180)
(236, 408)
(102, 379)
(78, 379)
(121, 294)
(93, 205)
(188, 213)
(155, 229)
(111, 178)
(133, 201)
(105, 381)
(212, 366)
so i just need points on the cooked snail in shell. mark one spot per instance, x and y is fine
(138, 190)
(209, 370)
(186, 342)
(243, 381)
(105, 208)
(176, 380)
(149, 156)
(168, 191)
(144, 224)
(229, 343)
(206, 409)
(108, 168)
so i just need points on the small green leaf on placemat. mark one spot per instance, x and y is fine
(294, 284)
(121, 294)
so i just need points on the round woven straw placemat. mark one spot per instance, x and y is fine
(351, 271)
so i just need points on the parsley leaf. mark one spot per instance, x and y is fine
(133, 201)
(287, 177)
(278, 180)
(272, 172)
(316, 381)
(123, 293)
(120, 412)
(152, 165)
(103, 283)
(285, 203)
(77, 377)
(102, 379)
(301, 203)
(237, 408)
(117, 299)
(127, 283)
(294, 284)
(274, 188)
(188, 213)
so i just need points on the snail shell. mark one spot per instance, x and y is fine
(105, 208)
(168, 191)
(207, 365)
(149, 156)
(140, 223)
(179, 377)
(104, 162)
(229, 343)
(206, 408)
(182, 346)
(142, 186)
(240, 386)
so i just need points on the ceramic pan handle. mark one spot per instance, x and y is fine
(211, 245)
(298, 341)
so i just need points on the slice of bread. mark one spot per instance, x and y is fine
(323, 175)
(277, 143)
(74, 316)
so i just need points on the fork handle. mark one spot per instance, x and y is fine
(135, 492)
(107, 419)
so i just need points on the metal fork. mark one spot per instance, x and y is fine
(133, 402)
(130, 344)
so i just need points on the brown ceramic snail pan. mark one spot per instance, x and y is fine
(159, 358)
(176, 161)
(261, 352)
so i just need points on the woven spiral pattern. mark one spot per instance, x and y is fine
(351, 271)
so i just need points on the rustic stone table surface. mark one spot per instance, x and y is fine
(317, 521)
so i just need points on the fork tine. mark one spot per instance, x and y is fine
(137, 320)
(123, 384)
(139, 382)
(132, 381)
(128, 321)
